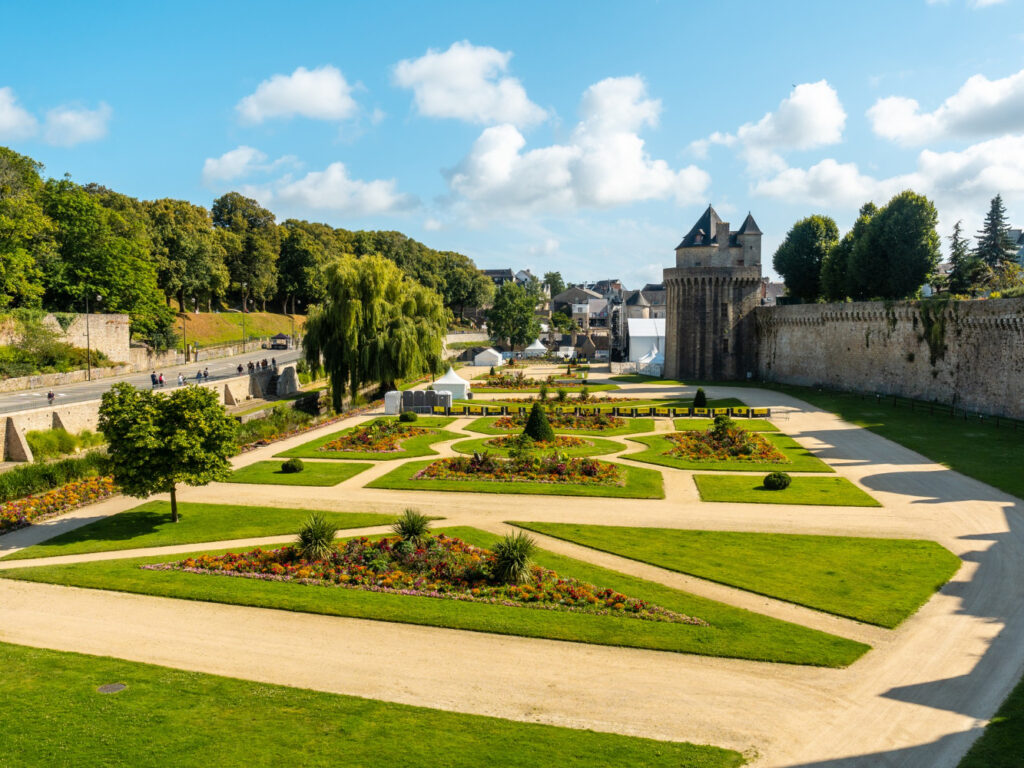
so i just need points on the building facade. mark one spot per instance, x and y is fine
(711, 294)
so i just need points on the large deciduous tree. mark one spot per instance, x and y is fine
(798, 260)
(898, 252)
(555, 282)
(26, 234)
(375, 326)
(994, 246)
(512, 317)
(157, 442)
(189, 257)
(835, 278)
(251, 244)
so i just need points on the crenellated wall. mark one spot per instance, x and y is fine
(966, 353)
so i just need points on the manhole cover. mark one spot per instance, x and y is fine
(112, 688)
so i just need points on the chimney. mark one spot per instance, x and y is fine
(722, 234)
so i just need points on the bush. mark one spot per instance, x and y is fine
(292, 466)
(542, 393)
(38, 478)
(700, 400)
(777, 481)
(279, 420)
(411, 526)
(584, 395)
(51, 443)
(316, 537)
(408, 416)
(491, 373)
(538, 428)
(561, 395)
(513, 558)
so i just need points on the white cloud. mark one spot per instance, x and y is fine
(67, 126)
(432, 225)
(811, 116)
(319, 94)
(467, 82)
(603, 164)
(15, 121)
(981, 107)
(233, 164)
(332, 189)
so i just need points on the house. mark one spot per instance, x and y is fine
(499, 276)
(646, 339)
(573, 296)
(1016, 237)
(770, 292)
(608, 289)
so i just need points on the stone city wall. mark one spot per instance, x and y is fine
(964, 353)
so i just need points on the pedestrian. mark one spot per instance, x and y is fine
(199, 376)
(181, 379)
(161, 379)
(50, 396)
(273, 363)
(153, 379)
(206, 374)
(239, 369)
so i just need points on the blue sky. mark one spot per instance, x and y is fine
(580, 136)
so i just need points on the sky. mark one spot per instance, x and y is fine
(584, 137)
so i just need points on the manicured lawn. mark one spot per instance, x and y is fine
(315, 473)
(149, 525)
(603, 405)
(639, 378)
(878, 581)
(171, 717)
(831, 491)
(485, 425)
(732, 632)
(410, 448)
(573, 388)
(640, 484)
(1002, 743)
(595, 447)
(751, 425)
(799, 458)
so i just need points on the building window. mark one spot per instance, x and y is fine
(725, 310)
(725, 344)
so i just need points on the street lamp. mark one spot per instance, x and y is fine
(294, 302)
(244, 286)
(88, 344)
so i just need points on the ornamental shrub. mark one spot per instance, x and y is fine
(542, 393)
(538, 428)
(491, 371)
(408, 416)
(513, 558)
(411, 526)
(292, 466)
(316, 537)
(561, 395)
(700, 400)
(777, 481)
(38, 478)
(584, 395)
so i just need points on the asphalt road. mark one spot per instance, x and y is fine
(220, 368)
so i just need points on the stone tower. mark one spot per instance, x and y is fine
(712, 292)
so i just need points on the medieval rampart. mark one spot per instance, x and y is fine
(966, 353)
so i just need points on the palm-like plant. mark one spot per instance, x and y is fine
(411, 526)
(513, 558)
(316, 537)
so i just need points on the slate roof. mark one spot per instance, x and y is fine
(638, 300)
(749, 226)
(703, 233)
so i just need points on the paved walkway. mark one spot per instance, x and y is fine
(917, 699)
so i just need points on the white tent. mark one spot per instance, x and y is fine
(488, 357)
(535, 350)
(646, 339)
(452, 382)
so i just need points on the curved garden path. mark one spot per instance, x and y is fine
(917, 699)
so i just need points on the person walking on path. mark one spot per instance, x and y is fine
(50, 397)
(181, 379)
(153, 379)
(199, 377)
(239, 369)
(206, 374)
(161, 379)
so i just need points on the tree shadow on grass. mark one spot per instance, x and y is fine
(938, 486)
(120, 527)
(919, 756)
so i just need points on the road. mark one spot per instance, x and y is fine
(220, 368)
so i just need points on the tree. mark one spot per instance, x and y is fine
(966, 269)
(555, 282)
(898, 252)
(801, 254)
(512, 316)
(538, 428)
(994, 246)
(306, 250)
(188, 254)
(156, 441)
(374, 326)
(26, 234)
(835, 279)
(461, 284)
(251, 252)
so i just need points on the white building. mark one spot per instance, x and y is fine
(646, 339)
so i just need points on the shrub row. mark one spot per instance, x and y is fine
(38, 478)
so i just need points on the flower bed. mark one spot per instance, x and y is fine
(25, 511)
(594, 421)
(439, 566)
(376, 437)
(561, 441)
(724, 442)
(314, 424)
(552, 468)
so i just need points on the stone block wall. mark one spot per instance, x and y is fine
(108, 334)
(965, 353)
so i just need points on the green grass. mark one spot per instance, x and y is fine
(551, 388)
(149, 525)
(194, 720)
(639, 378)
(319, 473)
(725, 402)
(732, 632)
(1002, 743)
(485, 425)
(410, 448)
(878, 581)
(640, 484)
(830, 491)
(212, 328)
(595, 447)
(975, 448)
(751, 425)
(799, 458)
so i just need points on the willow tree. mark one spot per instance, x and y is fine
(375, 326)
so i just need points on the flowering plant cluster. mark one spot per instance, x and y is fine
(517, 380)
(561, 441)
(558, 420)
(23, 512)
(434, 566)
(528, 468)
(724, 441)
(314, 424)
(382, 436)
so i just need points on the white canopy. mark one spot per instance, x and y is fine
(536, 349)
(489, 356)
(452, 382)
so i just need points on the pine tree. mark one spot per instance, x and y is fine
(994, 245)
(538, 428)
(965, 266)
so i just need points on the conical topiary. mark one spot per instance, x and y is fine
(700, 400)
(538, 428)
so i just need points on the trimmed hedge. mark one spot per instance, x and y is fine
(292, 466)
(776, 481)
